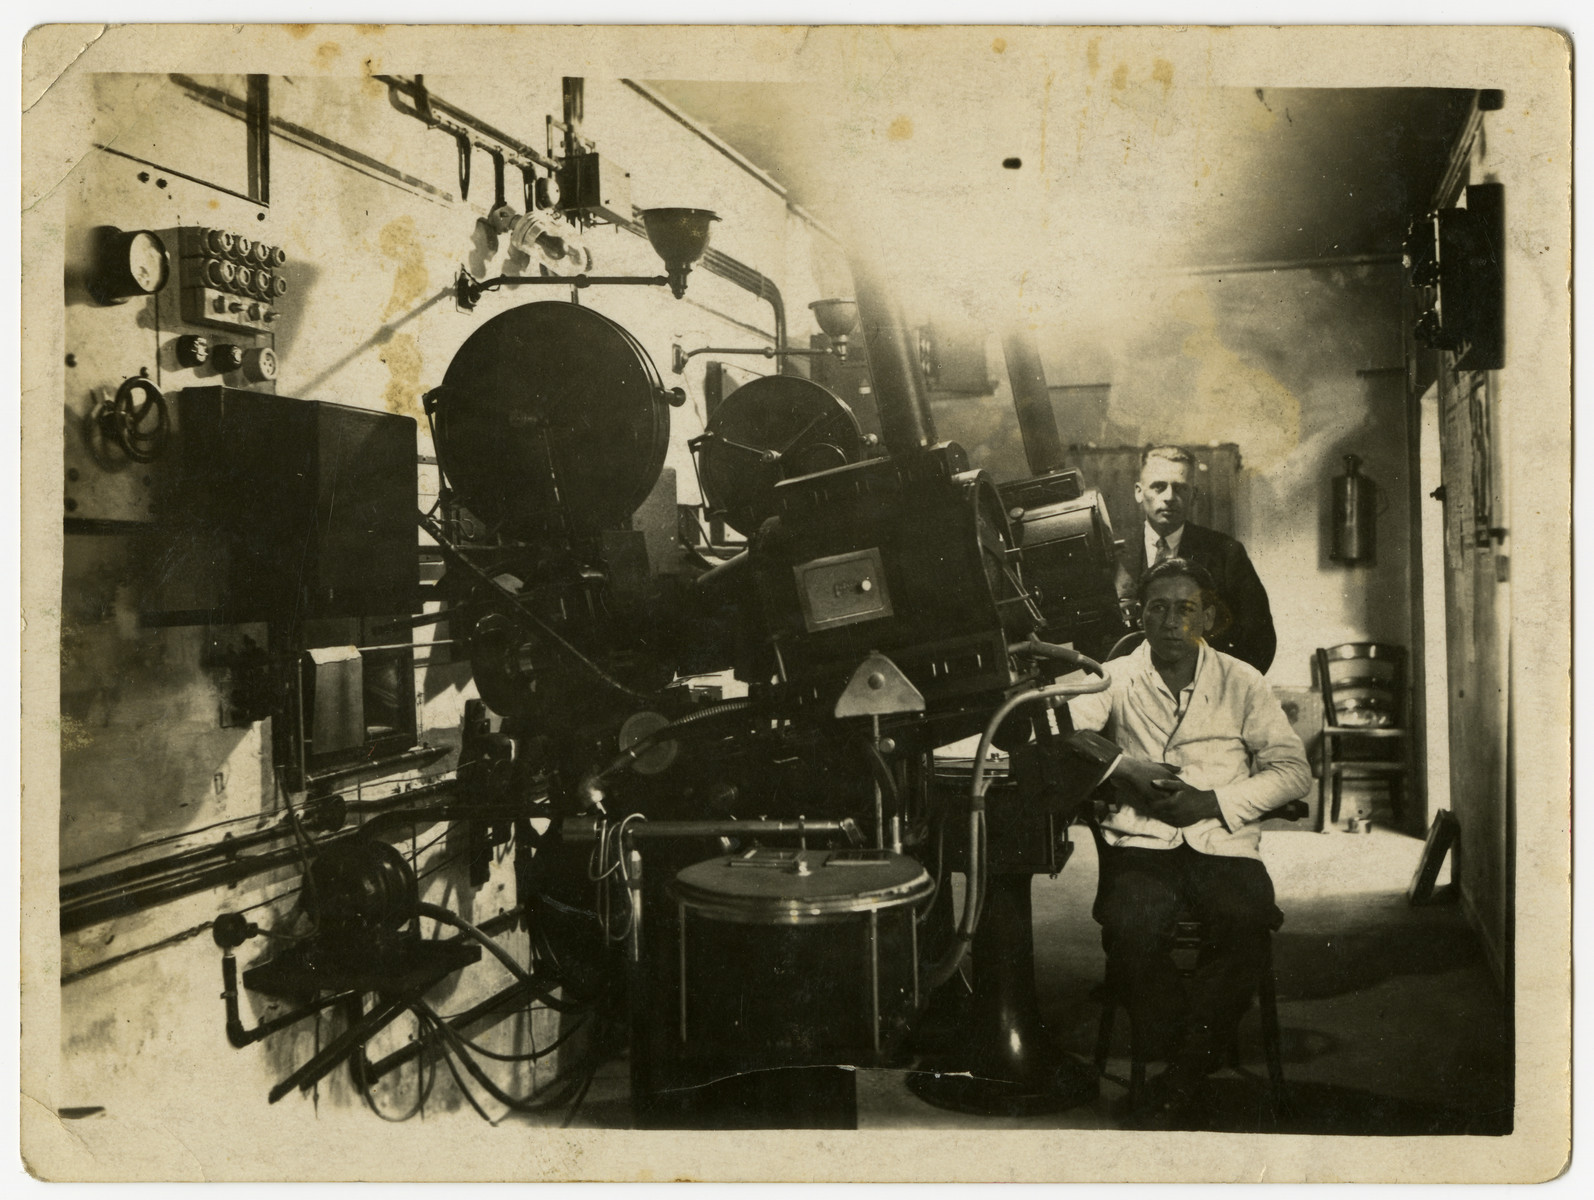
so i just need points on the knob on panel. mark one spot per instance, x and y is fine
(260, 364)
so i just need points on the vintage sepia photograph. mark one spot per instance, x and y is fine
(796, 604)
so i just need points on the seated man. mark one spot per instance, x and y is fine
(1205, 752)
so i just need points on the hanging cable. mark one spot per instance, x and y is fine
(541, 988)
(531, 1103)
(425, 1077)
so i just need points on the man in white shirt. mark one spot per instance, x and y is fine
(1206, 751)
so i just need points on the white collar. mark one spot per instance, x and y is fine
(1203, 656)
(1152, 535)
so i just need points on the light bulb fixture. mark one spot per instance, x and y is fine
(679, 236)
(838, 318)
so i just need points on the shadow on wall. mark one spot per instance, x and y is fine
(1289, 365)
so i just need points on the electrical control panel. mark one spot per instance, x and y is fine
(167, 288)
(1456, 261)
(230, 280)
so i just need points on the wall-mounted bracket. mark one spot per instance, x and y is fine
(680, 357)
(469, 290)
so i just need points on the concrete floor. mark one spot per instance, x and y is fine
(1391, 1022)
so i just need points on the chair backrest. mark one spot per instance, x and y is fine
(1126, 644)
(1363, 684)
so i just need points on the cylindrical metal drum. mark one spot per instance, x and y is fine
(798, 957)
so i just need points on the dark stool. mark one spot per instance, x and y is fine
(1188, 939)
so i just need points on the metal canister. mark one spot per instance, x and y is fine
(1354, 514)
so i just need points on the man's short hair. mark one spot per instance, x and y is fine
(1180, 568)
(1173, 454)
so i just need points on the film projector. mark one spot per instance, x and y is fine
(725, 771)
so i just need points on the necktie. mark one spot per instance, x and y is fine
(1164, 551)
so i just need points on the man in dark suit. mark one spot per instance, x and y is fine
(1165, 492)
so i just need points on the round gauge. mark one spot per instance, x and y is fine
(128, 264)
(148, 262)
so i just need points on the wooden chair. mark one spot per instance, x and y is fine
(1188, 940)
(1125, 644)
(1365, 730)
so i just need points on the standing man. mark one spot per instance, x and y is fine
(1199, 753)
(1165, 492)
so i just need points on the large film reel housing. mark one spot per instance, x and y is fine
(550, 422)
(771, 429)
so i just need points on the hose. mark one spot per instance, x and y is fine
(974, 892)
(542, 989)
(1036, 648)
(460, 1051)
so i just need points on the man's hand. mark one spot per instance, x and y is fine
(1139, 777)
(1177, 803)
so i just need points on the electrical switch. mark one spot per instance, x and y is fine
(193, 350)
(260, 364)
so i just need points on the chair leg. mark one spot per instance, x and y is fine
(1109, 1010)
(1267, 996)
(1338, 791)
(1137, 1065)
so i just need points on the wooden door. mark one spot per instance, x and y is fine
(1477, 616)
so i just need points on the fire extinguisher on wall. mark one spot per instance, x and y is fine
(1354, 514)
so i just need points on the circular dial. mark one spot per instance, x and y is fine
(128, 264)
(147, 262)
(772, 429)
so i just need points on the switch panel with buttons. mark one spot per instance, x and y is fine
(230, 280)
(843, 589)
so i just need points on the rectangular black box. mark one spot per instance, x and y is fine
(312, 505)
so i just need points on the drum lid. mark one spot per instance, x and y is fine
(551, 418)
(798, 886)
